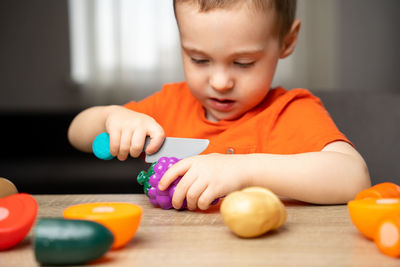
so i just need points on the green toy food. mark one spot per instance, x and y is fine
(70, 242)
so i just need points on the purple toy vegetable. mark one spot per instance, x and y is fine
(152, 177)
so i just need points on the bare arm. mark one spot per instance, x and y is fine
(331, 176)
(86, 126)
(127, 129)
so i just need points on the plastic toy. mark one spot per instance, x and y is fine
(152, 177)
(101, 146)
(17, 215)
(7, 188)
(122, 219)
(387, 236)
(252, 212)
(383, 190)
(378, 218)
(172, 146)
(70, 242)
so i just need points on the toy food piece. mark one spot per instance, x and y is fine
(367, 214)
(383, 190)
(152, 177)
(387, 238)
(70, 242)
(17, 215)
(7, 188)
(101, 146)
(378, 219)
(376, 214)
(122, 219)
(252, 211)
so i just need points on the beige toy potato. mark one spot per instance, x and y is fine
(252, 211)
(7, 188)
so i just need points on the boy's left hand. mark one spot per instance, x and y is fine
(204, 179)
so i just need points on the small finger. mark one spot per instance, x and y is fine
(176, 170)
(157, 137)
(125, 144)
(206, 198)
(193, 194)
(137, 143)
(115, 138)
(181, 190)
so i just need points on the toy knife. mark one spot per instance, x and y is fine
(172, 147)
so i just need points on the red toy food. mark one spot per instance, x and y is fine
(17, 215)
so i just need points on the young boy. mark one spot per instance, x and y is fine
(279, 139)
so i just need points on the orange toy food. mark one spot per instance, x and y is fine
(122, 219)
(387, 238)
(383, 190)
(376, 214)
(368, 214)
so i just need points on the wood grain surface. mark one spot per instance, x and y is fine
(312, 236)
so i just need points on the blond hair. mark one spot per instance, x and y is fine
(285, 10)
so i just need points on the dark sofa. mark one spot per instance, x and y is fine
(36, 156)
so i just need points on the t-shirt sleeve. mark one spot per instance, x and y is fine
(152, 105)
(304, 125)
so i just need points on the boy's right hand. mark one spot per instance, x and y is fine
(128, 130)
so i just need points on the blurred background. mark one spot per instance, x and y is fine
(59, 57)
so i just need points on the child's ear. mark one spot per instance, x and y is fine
(290, 40)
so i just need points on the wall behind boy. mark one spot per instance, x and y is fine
(344, 44)
(35, 60)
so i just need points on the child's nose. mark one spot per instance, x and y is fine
(221, 80)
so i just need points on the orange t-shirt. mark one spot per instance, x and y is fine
(285, 122)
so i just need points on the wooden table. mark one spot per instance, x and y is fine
(312, 236)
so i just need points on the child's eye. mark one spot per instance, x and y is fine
(199, 61)
(243, 64)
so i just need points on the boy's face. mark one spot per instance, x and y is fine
(229, 57)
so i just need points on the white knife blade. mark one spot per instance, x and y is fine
(178, 147)
(172, 147)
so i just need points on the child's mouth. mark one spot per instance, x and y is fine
(221, 104)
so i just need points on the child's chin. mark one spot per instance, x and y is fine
(225, 117)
